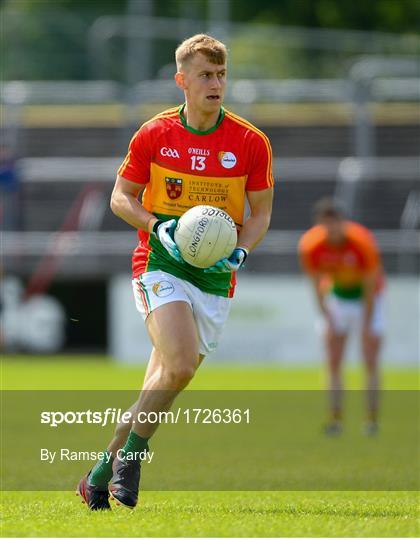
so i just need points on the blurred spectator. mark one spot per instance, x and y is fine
(9, 190)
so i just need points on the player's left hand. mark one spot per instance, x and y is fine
(230, 264)
(164, 231)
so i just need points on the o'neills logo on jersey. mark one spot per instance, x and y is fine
(199, 151)
(173, 187)
(227, 159)
(169, 152)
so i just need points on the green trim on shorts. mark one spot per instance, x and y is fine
(146, 293)
(348, 293)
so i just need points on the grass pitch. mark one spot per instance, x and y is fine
(217, 514)
(214, 514)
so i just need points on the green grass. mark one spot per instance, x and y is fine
(98, 373)
(217, 514)
(201, 514)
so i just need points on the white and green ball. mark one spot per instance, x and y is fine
(204, 235)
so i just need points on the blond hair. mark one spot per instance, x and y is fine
(215, 51)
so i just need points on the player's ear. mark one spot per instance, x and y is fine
(180, 80)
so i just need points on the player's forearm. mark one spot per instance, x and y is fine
(369, 298)
(128, 208)
(320, 297)
(253, 231)
(321, 304)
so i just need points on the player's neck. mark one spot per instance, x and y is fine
(199, 120)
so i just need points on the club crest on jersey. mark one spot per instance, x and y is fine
(227, 159)
(173, 187)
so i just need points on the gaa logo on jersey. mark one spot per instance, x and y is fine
(169, 152)
(227, 159)
(173, 187)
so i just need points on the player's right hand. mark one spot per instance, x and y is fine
(164, 232)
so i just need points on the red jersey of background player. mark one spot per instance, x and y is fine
(344, 265)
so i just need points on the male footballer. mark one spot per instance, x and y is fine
(198, 153)
(343, 262)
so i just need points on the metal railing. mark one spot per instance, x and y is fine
(144, 28)
(405, 89)
(358, 93)
(121, 243)
(69, 169)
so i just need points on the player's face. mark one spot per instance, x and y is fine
(203, 83)
(335, 229)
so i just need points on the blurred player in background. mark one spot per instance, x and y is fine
(198, 153)
(343, 262)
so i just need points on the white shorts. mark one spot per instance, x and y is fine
(154, 289)
(347, 315)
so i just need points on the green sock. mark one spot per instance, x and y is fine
(102, 472)
(134, 443)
